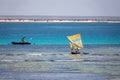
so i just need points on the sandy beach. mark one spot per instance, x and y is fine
(57, 20)
(108, 19)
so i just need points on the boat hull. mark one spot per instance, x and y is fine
(20, 43)
(79, 53)
(75, 52)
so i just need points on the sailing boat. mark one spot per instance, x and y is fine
(75, 43)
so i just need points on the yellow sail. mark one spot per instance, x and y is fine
(75, 41)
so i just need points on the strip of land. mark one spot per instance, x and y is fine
(27, 20)
(59, 19)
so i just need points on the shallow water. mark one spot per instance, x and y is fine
(54, 62)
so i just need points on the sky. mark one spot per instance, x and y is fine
(60, 7)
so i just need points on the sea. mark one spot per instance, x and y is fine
(48, 56)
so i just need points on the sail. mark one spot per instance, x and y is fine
(75, 41)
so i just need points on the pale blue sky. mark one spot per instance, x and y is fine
(60, 7)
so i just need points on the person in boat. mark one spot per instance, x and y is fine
(23, 39)
(75, 51)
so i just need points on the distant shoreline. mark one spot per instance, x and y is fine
(82, 19)
(57, 20)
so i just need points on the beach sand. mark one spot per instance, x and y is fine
(57, 20)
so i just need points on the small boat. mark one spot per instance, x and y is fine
(23, 42)
(75, 52)
(75, 43)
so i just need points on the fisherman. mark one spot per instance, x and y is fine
(23, 39)
(76, 50)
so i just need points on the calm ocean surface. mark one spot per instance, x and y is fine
(55, 33)
(49, 58)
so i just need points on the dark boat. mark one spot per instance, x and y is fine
(75, 52)
(80, 53)
(21, 43)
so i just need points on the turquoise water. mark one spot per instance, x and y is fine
(49, 58)
(55, 33)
